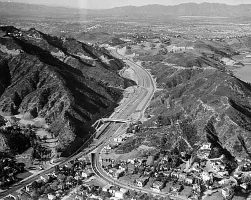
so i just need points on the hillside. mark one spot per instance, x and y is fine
(196, 91)
(67, 82)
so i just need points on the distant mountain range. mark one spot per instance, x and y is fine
(187, 9)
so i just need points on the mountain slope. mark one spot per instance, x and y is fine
(186, 9)
(67, 82)
(197, 91)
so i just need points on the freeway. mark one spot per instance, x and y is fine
(139, 103)
(140, 96)
(147, 85)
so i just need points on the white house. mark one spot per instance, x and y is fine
(51, 197)
(119, 195)
(118, 139)
(205, 177)
(142, 181)
(205, 146)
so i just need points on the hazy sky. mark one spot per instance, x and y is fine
(100, 4)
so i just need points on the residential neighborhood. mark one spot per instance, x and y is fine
(190, 176)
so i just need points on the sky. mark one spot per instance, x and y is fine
(103, 4)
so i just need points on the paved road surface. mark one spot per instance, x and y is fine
(147, 85)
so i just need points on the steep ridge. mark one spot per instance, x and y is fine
(196, 89)
(197, 96)
(67, 82)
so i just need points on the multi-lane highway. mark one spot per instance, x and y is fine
(146, 88)
(137, 101)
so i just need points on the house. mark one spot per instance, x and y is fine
(120, 194)
(119, 173)
(195, 167)
(214, 166)
(203, 154)
(148, 172)
(176, 188)
(112, 190)
(244, 186)
(112, 171)
(223, 173)
(45, 178)
(246, 167)
(106, 188)
(150, 160)
(206, 146)
(141, 182)
(130, 167)
(205, 176)
(158, 185)
(196, 188)
(51, 197)
(131, 161)
(118, 139)
(189, 180)
(167, 173)
(174, 174)
(182, 177)
(108, 147)
(123, 190)
(227, 192)
(28, 188)
(84, 174)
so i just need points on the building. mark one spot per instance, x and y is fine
(45, 178)
(227, 192)
(189, 180)
(150, 160)
(174, 174)
(118, 139)
(121, 193)
(141, 182)
(228, 181)
(206, 146)
(119, 173)
(182, 177)
(86, 173)
(167, 173)
(51, 197)
(205, 176)
(112, 171)
(176, 189)
(131, 161)
(106, 188)
(158, 185)
(246, 167)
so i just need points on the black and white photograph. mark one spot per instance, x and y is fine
(125, 99)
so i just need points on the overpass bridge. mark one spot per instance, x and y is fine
(101, 121)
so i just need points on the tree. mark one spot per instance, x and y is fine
(2, 121)
(242, 141)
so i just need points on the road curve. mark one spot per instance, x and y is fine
(147, 83)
